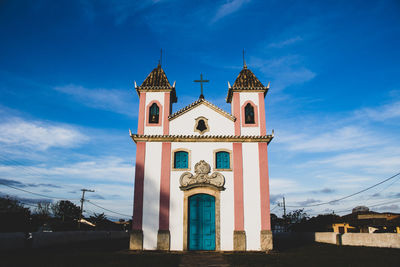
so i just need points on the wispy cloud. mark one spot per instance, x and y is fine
(284, 71)
(275, 198)
(340, 153)
(105, 99)
(39, 135)
(383, 160)
(228, 8)
(286, 42)
(393, 208)
(283, 185)
(385, 112)
(19, 184)
(351, 137)
(324, 191)
(308, 202)
(120, 10)
(108, 169)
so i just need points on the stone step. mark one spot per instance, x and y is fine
(194, 259)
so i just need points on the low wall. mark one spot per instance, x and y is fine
(12, 241)
(326, 237)
(384, 240)
(45, 239)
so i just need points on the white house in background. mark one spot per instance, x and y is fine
(201, 179)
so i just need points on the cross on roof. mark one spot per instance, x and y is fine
(201, 81)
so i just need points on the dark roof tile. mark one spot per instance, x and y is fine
(156, 78)
(247, 79)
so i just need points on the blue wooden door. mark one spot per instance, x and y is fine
(201, 222)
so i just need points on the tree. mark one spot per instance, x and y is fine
(320, 223)
(296, 216)
(14, 217)
(66, 216)
(66, 210)
(43, 209)
(100, 220)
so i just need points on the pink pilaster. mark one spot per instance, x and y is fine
(165, 187)
(236, 111)
(139, 184)
(238, 186)
(261, 104)
(264, 186)
(167, 107)
(142, 111)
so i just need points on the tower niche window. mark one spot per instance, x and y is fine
(249, 114)
(181, 160)
(154, 113)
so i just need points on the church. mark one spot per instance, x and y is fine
(201, 175)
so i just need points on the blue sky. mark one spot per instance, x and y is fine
(67, 99)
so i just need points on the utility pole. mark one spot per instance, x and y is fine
(284, 214)
(82, 200)
(284, 207)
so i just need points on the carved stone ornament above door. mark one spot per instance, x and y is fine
(202, 178)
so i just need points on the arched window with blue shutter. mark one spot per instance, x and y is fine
(181, 160)
(222, 159)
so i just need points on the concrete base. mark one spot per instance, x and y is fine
(239, 240)
(136, 240)
(163, 240)
(266, 240)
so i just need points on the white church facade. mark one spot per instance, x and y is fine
(201, 177)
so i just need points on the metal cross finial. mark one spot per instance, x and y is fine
(160, 60)
(201, 81)
(244, 61)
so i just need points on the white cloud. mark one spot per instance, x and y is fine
(111, 169)
(286, 42)
(119, 101)
(376, 161)
(279, 185)
(112, 179)
(345, 152)
(228, 8)
(386, 112)
(107, 169)
(121, 10)
(345, 138)
(284, 71)
(39, 135)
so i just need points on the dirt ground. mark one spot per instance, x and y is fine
(116, 254)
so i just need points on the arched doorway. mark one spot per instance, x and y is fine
(201, 223)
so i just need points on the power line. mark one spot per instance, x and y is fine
(274, 208)
(392, 183)
(27, 169)
(33, 193)
(373, 205)
(129, 216)
(90, 202)
(339, 199)
(21, 165)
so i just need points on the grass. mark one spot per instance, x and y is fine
(115, 253)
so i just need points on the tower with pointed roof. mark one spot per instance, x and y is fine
(201, 176)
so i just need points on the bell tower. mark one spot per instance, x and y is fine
(246, 96)
(156, 96)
